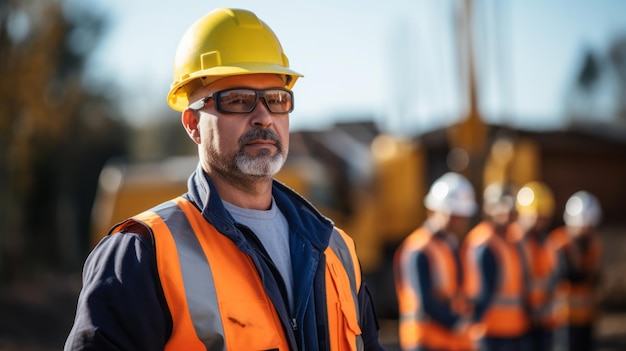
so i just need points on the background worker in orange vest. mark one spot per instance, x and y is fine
(494, 283)
(535, 210)
(240, 261)
(576, 305)
(428, 272)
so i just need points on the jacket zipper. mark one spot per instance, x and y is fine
(254, 240)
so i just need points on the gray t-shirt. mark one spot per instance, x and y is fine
(272, 229)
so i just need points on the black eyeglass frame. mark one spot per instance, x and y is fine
(259, 94)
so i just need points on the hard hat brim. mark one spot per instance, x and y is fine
(178, 101)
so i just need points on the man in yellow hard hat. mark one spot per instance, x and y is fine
(240, 261)
(535, 209)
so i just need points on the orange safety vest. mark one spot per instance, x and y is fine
(540, 270)
(575, 304)
(216, 297)
(416, 327)
(506, 316)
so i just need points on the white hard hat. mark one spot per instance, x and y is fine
(582, 209)
(451, 193)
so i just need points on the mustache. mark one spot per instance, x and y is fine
(262, 134)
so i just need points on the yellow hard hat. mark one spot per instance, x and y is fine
(535, 198)
(225, 42)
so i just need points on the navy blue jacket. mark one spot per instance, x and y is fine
(489, 272)
(122, 306)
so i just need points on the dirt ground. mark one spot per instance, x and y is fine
(36, 314)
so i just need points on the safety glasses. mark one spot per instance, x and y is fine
(244, 100)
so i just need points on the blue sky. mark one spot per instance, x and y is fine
(391, 60)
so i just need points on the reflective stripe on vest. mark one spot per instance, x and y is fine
(343, 308)
(582, 306)
(417, 328)
(574, 305)
(227, 308)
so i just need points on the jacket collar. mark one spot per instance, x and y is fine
(303, 218)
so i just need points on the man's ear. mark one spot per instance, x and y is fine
(190, 121)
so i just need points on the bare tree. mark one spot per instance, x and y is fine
(54, 133)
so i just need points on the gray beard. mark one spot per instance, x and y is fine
(244, 168)
(262, 165)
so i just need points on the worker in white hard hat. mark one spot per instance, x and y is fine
(493, 275)
(578, 245)
(240, 261)
(428, 272)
